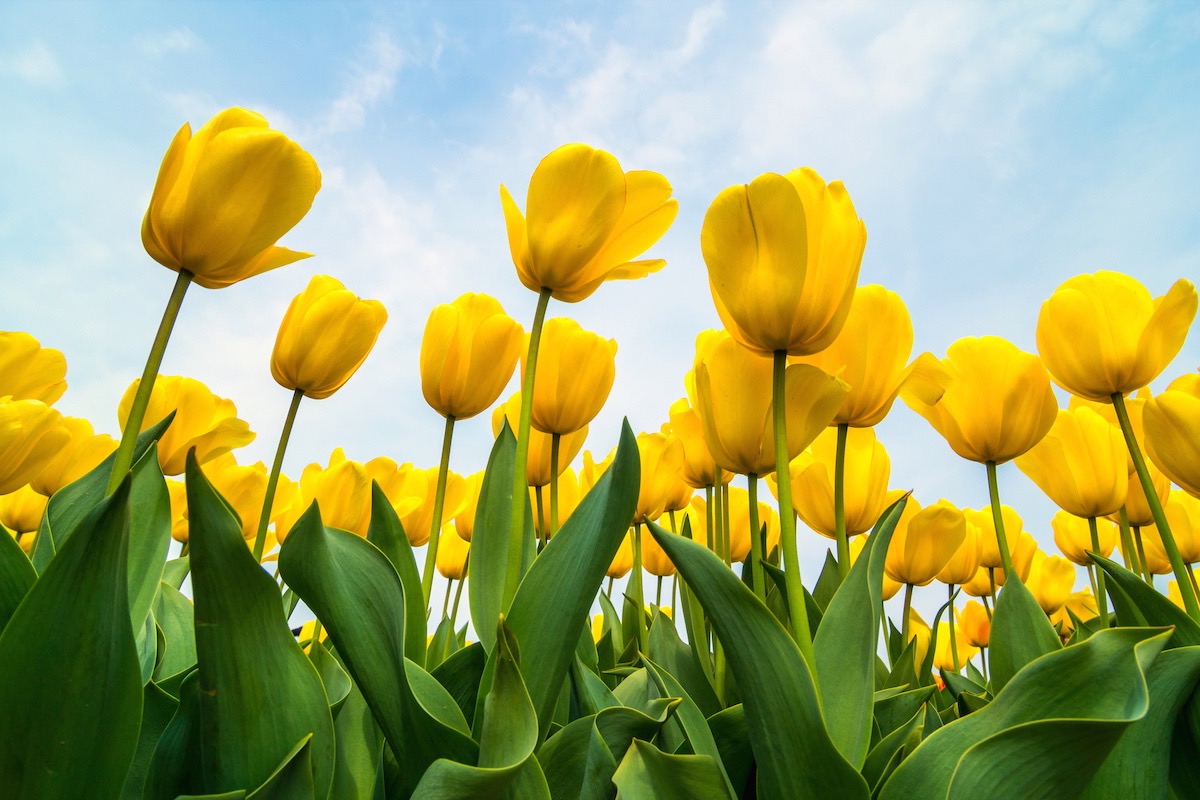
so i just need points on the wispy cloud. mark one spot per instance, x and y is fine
(160, 43)
(370, 80)
(36, 64)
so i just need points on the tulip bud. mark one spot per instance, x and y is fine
(1080, 464)
(464, 520)
(575, 373)
(1073, 536)
(29, 371)
(540, 444)
(452, 553)
(21, 511)
(1051, 579)
(622, 560)
(662, 458)
(868, 469)
(81, 455)
(468, 355)
(924, 541)
(975, 624)
(944, 656)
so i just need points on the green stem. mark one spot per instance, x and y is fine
(608, 589)
(1091, 571)
(638, 592)
(1141, 550)
(541, 519)
(709, 513)
(839, 502)
(986, 605)
(904, 626)
(1101, 597)
(1190, 601)
(137, 411)
(439, 502)
(756, 547)
(516, 530)
(555, 442)
(787, 519)
(671, 516)
(1127, 547)
(446, 599)
(674, 594)
(458, 591)
(1192, 575)
(658, 592)
(264, 516)
(953, 635)
(998, 522)
(726, 527)
(983, 659)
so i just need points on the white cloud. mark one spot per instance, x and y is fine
(370, 81)
(178, 40)
(36, 64)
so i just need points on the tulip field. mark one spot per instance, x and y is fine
(176, 624)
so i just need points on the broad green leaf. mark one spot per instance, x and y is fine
(892, 749)
(359, 748)
(175, 765)
(732, 737)
(647, 773)
(16, 576)
(387, 533)
(145, 644)
(1140, 763)
(490, 540)
(847, 642)
(827, 582)
(354, 590)
(173, 613)
(443, 644)
(589, 693)
(1185, 743)
(1021, 632)
(292, 779)
(176, 571)
(158, 708)
(460, 675)
(556, 594)
(791, 745)
(70, 687)
(335, 680)
(149, 538)
(259, 693)
(1087, 695)
(1139, 604)
(668, 650)
(688, 717)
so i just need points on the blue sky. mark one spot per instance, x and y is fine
(993, 149)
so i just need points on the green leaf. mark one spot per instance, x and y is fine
(359, 748)
(1087, 695)
(16, 576)
(892, 711)
(646, 773)
(795, 755)
(1138, 604)
(335, 680)
(1021, 632)
(70, 687)
(149, 537)
(176, 571)
(387, 533)
(460, 675)
(259, 693)
(292, 779)
(667, 649)
(590, 694)
(557, 592)
(158, 708)
(173, 613)
(732, 737)
(884, 757)
(175, 767)
(1185, 743)
(688, 717)
(1140, 763)
(490, 540)
(827, 582)
(443, 644)
(847, 642)
(354, 590)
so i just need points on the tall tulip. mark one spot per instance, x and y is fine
(468, 354)
(1080, 464)
(1072, 534)
(21, 511)
(83, 453)
(1172, 423)
(699, 468)
(539, 451)
(29, 371)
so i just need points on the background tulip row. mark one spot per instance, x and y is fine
(178, 672)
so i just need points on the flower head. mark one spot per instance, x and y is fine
(468, 355)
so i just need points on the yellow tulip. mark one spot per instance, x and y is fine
(975, 624)
(655, 559)
(202, 420)
(225, 196)
(575, 373)
(989, 545)
(78, 457)
(622, 560)
(1130, 337)
(411, 491)
(869, 354)
(464, 520)
(452, 553)
(31, 434)
(244, 489)
(699, 468)
(568, 500)
(662, 458)
(1024, 547)
(868, 469)
(468, 355)
(1082, 604)
(177, 491)
(980, 585)
(585, 222)
(342, 491)
(1051, 579)
(991, 401)
(920, 633)
(540, 444)
(1074, 537)
(1183, 515)
(734, 389)
(29, 371)
(326, 335)
(944, 655)
(592, 470)
(1080, 464)
(1172, 422)
(1173, 590)
(783, 255)
(963, 565)
(739, 523)
(924, 541)
(21, 511)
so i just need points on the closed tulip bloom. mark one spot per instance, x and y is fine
(870, 354)
(699, 469)
(975, 624)
(244, 488)
(1183, 515)
(868, 469)
(990, 400)
(734, 390)
(575, 373)
(464, 520)
(989, 545)
(1074, 537)
(585, 222)
(324, 338)
(540, 444)
(31, 434)
(783, 255)
(29, 371)
(177, 492)
(452, 553)
(1080, 464)
(1024, 547)
(920, 633)
(468, 354)
(944, 656)
(21, 511)
(592, 470)
(1172, 422)
(655, 559)
(963, 565)
(924, 542)
(411, 491)
(662, 458)
(1051, 579)
(1131, 337)
(622, 560)
(202, 420)
(342, 491)
(568, 500)
(979, 585)
(83, 453)
(225, 196)
(1173, 590)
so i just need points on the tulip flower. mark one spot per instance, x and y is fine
(1172, 422)
(783, 256)
(952, 651)
(662, 458)
(464, 520)
(540, 444)
(980, 584)
(202, 420)
(1051, 579)
(1082, 604)
(342, 490)
(699, 469)
(413, 493)
(468, 354)
(225, 196)
(585, 222)
(29, 371)
(964, 563)
(655, 559)
(916, 630)
(868, 469)
(78, 457)
(989, 547)
(452, 554)
(924, 541)
(975, 624)
(1173, 588)
(1183, 513)
(21, 511)
(31, 434)
(576, 370)
(1131, 336)
(177, 492)
(1073, 536)
(1080, 464)
(622, 560)
(1023, 550)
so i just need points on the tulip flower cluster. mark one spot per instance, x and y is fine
(173, 573)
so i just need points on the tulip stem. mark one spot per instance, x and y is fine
(658, 593)
(1101, 595)
(726, 527)
(137, 411)
(797, 609)
(953, 637)
(904, 626)
(538, 496)
(839, 502)
(555, 443)
(756, 547)
(708, 514)
(998, 522)
(458, 591)
(1192, 575)
(446, 599)
(638, 592)
(264, 516)
(1132, 562)
(674, 594)
(1190, 601)
(516, 530)
(1141, 551)
(439, 502)
(986, 605)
